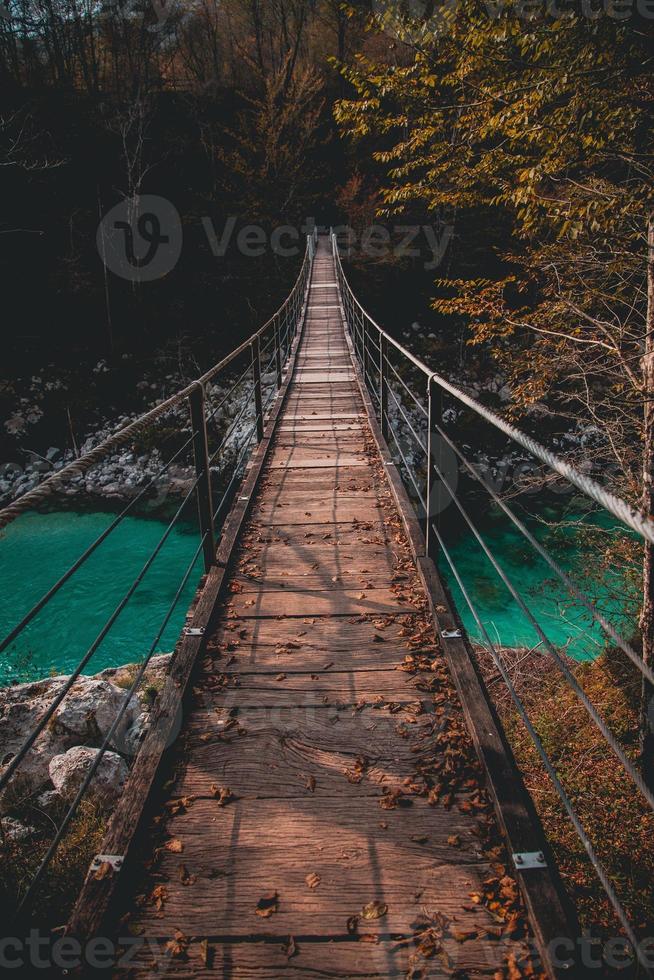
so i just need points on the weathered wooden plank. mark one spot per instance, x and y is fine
(331, 576)
(340, 512)
(319, 377)
(316, 416)
(264, 765)
(315, 960)
(264, 829)
(294, 460)
(265, 644)
(351, 442)
(370, 731)
(330, 478)
(325, 688)
(310, 449)
(326, 603)
(304, 425)
(221, 899)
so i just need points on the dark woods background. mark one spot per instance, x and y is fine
(225, 108)
(527, 134)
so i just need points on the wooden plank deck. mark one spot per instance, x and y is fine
(326, 814)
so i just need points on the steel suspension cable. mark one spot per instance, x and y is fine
(553, 564)
(407, 420)
(244, 407)
(74, 806)
(421, 497)
(617, 749)
(38, 606)
(615, 505)
(45, 718)
(31, 499)
(551, 771)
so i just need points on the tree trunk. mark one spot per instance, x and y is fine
(647, 614)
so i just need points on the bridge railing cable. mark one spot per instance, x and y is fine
(408, 398)
(229, 402)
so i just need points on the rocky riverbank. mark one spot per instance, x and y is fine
(126, 473)
(63, 753)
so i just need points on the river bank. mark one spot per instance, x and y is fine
(139, 470)
(616, 817)
(64, 751)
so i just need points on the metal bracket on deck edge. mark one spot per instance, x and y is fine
(529, 859)
(192, 631)
(114, 860)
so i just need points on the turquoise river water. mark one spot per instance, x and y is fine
(38, 548)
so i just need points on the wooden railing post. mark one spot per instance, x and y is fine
(383, 385)
(258, 399)
(203, 474)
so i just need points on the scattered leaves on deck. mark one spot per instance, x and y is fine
(267, 905)
(374, 910)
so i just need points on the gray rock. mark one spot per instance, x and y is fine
(48, 799)
(136, 734)
(90, 709)
(84, 718)
(14, 831)
(68, 771)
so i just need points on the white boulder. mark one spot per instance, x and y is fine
(68, 771)
(90, 708)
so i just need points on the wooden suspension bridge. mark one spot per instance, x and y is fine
(339, 800)
(324, 789)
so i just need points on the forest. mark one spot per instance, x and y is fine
(488, 168)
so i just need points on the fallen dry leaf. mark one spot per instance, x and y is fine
(221, 793)
(374, 910)
(267, 905)
(353, 925)
(174, 846)
(184, 876)
(313, 880)
(104, 871)
(289, 949)
(178, 946)
(159, 896)
(206, 953)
